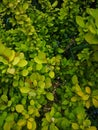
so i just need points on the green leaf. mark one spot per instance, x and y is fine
(11, 70)
(41, 84)
(92, 29)
(32, 102)
(19, 108)
(51, 74)
(92, 128)
(8, 125)
(91, 38)
(22, 63)
(4, 98)
(75, 126)
(10, 118)
(95, 102)
(39, 66)
(50, 96)
(21, 122)
(80, 21)
(4, 61)
(53, 127)
(25, 72)
(37, 60)
(48, 83)
(44, 128)
(95, 56)
(16, 60)
(25, 89)
(75, 79)
(12, 55)
(55, 4)
(25, 6)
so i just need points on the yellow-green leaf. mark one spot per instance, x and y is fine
(75, 79)
(19, 108)
(88, 104)
(21, 122)
(25, 72)
(91, 38)
(80, 21)
(53, 127)
(29, 125)
(45, 127)
(16, 60)
(88, 90)
(92, 128)
(11, 70)
(39, 66)
(22, 63)
(85, 97)
(51, 74)
(95, 102)
(24, 89)
(50, 96)
(75, 126)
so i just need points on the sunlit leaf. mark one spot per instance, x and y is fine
(86, 123)
(80, 21)
(25, 72)
(29, 125)
(75, 79)
(91, 38)
(22, 63)
(50, 96)
(21, 122)
(16, 60)
(55, 4)
(41, 84)
(39, 66)
(53, 127)
(11, 70)
(95, 102)
(51, 74)
(92, 128)
(37, 60)
(19, 108)
(12, 55)
(75, 126)
(88, 90)
(24, 89)
(74, 99)
(92, 29)
(4, 98)
(44, 128)
(88, 104)
(85, 97)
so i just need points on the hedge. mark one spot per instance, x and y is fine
(48, 65)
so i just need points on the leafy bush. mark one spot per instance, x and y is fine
(48, 65)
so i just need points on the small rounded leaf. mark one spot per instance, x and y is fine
(50, 96)
(22, 63)
(19, 108)
(75, 126)
(51, 74)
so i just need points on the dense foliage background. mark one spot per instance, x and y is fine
(48, 65)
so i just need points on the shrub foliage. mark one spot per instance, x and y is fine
(48, 65)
